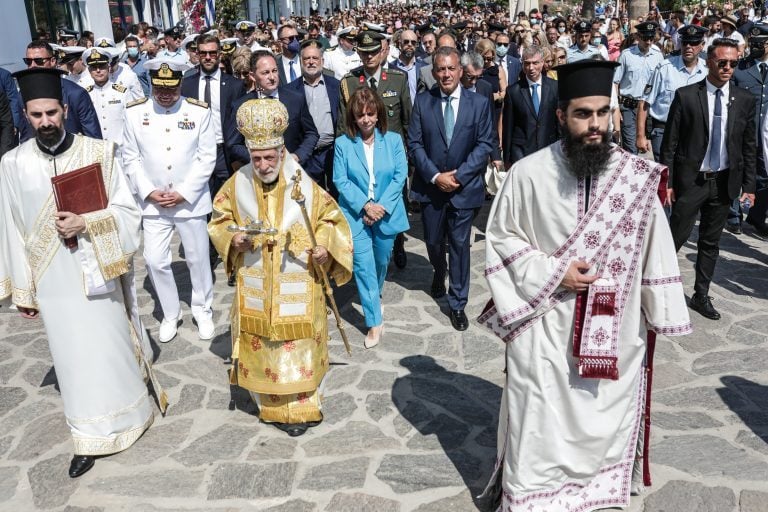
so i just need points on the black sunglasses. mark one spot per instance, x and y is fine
(37, 60)
(204, 53)
(724, 62)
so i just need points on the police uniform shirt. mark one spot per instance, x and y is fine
(635, 70)
(667, 78)
(575, 54)
(110, 101)
(179, 55)
(170, 148)
(341, 62)
(215, 104)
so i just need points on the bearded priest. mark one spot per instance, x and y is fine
(583, 274)
(279, 320)
(85, 294)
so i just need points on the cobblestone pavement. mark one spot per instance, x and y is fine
(410, 425)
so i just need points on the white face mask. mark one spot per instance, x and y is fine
(561, 30)
(596, 41)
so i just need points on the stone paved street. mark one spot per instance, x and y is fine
(410, 425)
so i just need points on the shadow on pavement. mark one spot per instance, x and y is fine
(749, 400)
(460, 410)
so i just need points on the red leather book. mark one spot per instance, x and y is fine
(80, 191)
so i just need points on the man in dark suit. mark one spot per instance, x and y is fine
(301, 136)
(450, 138)
(471, 80)
(707, 170)
(753, 76)
(321, 91)
(219, 90)
(530, 110)
(288, 65)
(508, 57)
(81, 116)
(7, 129)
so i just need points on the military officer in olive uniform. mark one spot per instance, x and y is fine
(109, 98)
(169, 153)
(392, 87)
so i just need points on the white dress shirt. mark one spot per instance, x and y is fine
(368, 148)
(215, 105)
(725, 100)
(287, 67)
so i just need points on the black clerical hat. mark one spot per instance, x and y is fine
(583, 78)
(36, 83)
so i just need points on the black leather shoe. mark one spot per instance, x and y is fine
(80, 465)
(437, 289)
(761, 230)
(459, 320)
(703, 305)
(401, 259)
(293, 429)
(734, 229)
(232, 280)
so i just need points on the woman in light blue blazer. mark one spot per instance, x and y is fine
(369, 170)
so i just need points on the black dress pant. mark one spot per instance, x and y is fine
(709, 200)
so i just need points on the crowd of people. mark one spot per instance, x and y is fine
(300, 150)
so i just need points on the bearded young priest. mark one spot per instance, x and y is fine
(279, 320)
(583, 275)
(85, 295)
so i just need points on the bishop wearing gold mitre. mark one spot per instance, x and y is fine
(279, 320)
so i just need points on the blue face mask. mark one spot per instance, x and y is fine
(294, 46)
(133, 52)
(501, 51)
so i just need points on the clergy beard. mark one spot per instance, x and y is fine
(49, 136)
(587, 159)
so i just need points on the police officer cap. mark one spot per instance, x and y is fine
(174, 32)
(585, 78)
(459, 26)
(104, 42)
(165, 72)
(692, 34)
(647, 28)
(245, 26)
(582, 27)
(496, 27)
(347, 32)
(35, 83)
(369, 42)
(758, 30)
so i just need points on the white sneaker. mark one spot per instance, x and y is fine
(168, 329)
(205, 327)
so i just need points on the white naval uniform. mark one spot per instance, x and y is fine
(110, 101)
(341, 62)
(173, 148)
(124, 76)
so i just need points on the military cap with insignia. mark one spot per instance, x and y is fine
(496, 27)
(347, 32)
(71, 53)
(369, 42)
(58, 51)
(174, 32)
(758, 30)
(373, 27)
(165, 72)
(582, 27)
(459, 26)
(245, 26)
(228, 45)
(104, 42)
(190, 43)
(647, 28)
(66, 33)
(96, 57)
(692, 34)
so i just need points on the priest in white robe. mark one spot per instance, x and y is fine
(84, 295)
(583, 275)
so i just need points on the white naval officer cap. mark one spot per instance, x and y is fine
(190, 40)
(165, 72)
(104, 42)
(349, 32)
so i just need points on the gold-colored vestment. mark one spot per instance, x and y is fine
(279, 319)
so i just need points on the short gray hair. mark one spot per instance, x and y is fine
(473, 59)
(533, 51)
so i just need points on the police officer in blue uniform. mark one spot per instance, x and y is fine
(752, 75)
(675, 72)
(582, 49)
(636, 65)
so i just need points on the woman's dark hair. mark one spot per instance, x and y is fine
(362, 99)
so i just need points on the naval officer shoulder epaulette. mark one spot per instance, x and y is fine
(199, 103)
(136, 102)
(119, 87)
(331, 48)
(89, 88)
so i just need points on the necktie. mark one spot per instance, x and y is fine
(714, 150)
(448, 119)
(763, 70)
(292, 71)
(535, 97)
(207, 92)
(372, 81)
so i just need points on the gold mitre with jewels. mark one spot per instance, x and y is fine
(262, 123)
